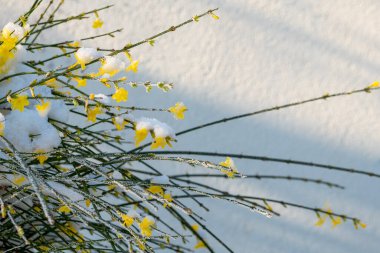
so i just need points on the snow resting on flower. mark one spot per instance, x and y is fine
(159, 128)
(12, 30)
(29, 132)
(85, 55)
(26, 126)
(10, 52)
(104, 99)
(111, 66)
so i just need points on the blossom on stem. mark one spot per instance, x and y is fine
(93, 112)
(178, 110)
(146, 226)
(18, 102)
(229, 163)
(120, 95)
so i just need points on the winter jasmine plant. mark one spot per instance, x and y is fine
(70, 175)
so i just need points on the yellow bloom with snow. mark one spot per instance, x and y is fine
(18, 102)
(83, 56)
(81, 82)
(119, 123)
(93, 112)
(229, 163)
(133, 66)
(146, 226)
(127, 220)
(140, 135)
(88, 202)
(121, 95)
(7, 53)
(43, 108)
(111, 66)
(178, 110)
(64, 209)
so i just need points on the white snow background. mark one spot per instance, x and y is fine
(262, 53)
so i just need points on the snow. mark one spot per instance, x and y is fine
(263, 53)
(29, 132)
(86, 55)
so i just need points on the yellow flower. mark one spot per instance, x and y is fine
(42, 157)
(64, 209)
(88, 202)
(52, 83)
(98, 23)
(214, 16)
(70, 230)
(200, 244)
(146, 226)
(110, 65)
(119, 123)
(7, 53)
(2, 126)
(374, 85)
(141, 245)
(336, 221)
(74, 44)
(43, 108)
(321, 220)
(111, 187)
(133, 66)
(19, 180)
(121, 95)
(18, 102)
(141, 134)
(160, 142)
(3, 211)
(44, 248)
(178, 110)
(156, 189)
(127, 220)
(168, 198)
(81, 82)
(92, 113)
(229, 163)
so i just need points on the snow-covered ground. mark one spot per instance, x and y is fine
(259, 54)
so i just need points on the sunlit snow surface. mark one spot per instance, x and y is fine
(260, 54)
